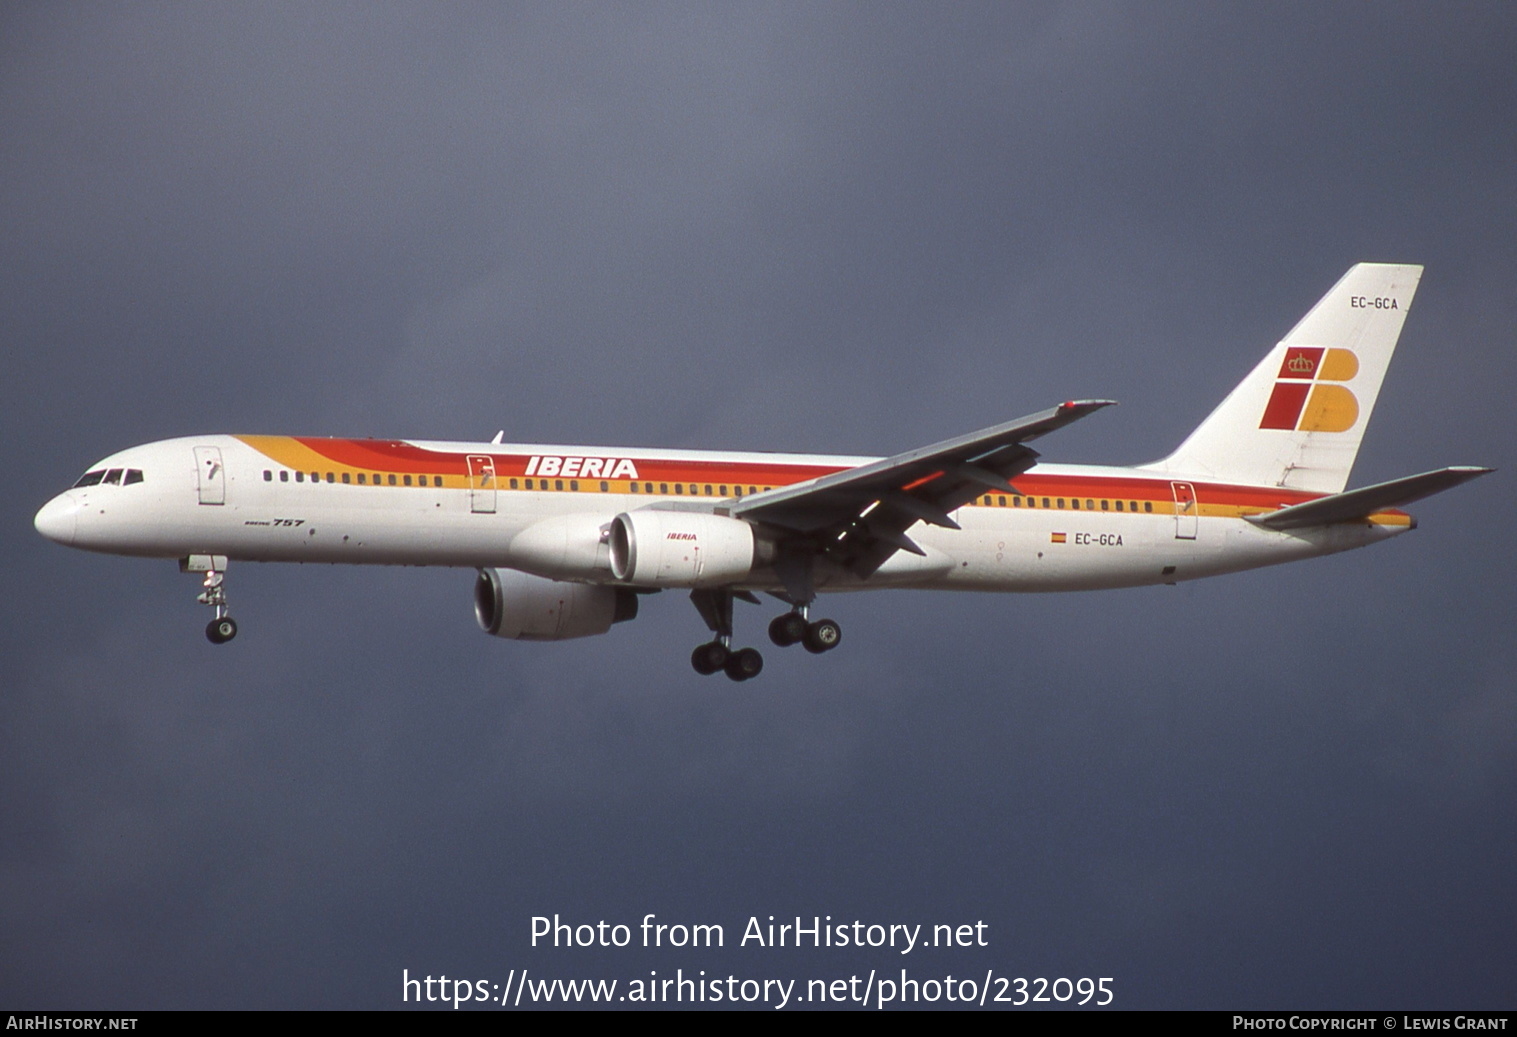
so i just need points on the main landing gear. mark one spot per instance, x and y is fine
(223, 628)
(715, 607)
(820, 636)
(741, 664)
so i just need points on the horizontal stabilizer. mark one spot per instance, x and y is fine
(1360, 504)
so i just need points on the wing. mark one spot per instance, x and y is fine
(859, 517)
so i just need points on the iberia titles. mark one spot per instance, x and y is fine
(582, 467)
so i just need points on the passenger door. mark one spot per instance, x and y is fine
(1185, 510)
(211, 475)
(481, 484)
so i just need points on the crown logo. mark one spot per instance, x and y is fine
(1301, 364)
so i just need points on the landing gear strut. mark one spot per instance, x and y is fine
(223, 628)
(715, 607)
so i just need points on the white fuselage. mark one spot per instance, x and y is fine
(1069, 528)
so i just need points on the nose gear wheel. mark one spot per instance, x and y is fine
(223, 628)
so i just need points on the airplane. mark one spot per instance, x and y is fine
(566, 539)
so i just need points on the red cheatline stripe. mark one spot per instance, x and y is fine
(404, 458)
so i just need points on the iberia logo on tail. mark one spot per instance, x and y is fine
(1304, 398)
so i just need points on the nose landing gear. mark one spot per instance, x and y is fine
(223, 628)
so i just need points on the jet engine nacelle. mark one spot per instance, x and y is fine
(681, 548)
(524, 607)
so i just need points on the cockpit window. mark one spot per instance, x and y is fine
(110, 477)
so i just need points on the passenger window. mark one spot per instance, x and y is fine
(605, 487)
(663, 487)
(647, 487)
(132, 475)
(1106, 505)
(1119, 505)
(1075, 504)
(408, 480)
(392, 479)
(331, 478)
(268, 476)
(634, 487)
(529, 484)
(558, 484)
(724, 491)
(437, 481)
(300, 476)
(574, 485)
(284, 476)
(347, 477)
(1061, 502)
(361, 479)
(1000, 502)
(679, 489)
(513, 484)
(1090, 505)
(1148, 505)
(1045, 502)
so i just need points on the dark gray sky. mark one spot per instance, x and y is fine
(849, 228)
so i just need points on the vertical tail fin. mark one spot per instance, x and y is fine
(1298, 418)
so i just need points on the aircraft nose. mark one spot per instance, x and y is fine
(58, 519)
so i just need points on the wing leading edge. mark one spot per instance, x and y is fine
(859, 517)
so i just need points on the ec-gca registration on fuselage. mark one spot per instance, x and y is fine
(567, 538)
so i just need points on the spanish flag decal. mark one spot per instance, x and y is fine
(1059, 538)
